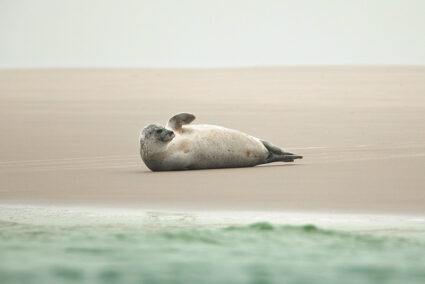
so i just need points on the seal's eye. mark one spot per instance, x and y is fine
(159, 131)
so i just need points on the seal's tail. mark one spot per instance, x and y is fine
(278, 155)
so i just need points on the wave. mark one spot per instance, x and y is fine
(259, 252)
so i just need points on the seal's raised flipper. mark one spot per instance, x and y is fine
(278, 155)
(176, 122)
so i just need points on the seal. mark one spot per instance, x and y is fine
(180, 146)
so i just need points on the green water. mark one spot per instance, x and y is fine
(257, 253)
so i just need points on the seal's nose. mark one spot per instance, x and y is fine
(171, 133)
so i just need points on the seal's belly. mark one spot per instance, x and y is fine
(208, 146)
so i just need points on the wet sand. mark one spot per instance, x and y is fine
(71, 137)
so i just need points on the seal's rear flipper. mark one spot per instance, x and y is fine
(287, 158)
(176, 122)
(278, 155)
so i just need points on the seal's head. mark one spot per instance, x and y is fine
(153, 144)
(155, 136)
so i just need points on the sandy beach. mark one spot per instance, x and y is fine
(70, 136)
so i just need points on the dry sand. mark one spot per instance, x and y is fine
(71, 137)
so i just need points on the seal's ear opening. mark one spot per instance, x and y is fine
(177, 121)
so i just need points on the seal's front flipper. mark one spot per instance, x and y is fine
(176, 122)
(278, 155)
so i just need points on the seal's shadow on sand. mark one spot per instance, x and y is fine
(220, 169)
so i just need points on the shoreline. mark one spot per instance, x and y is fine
(399, 225)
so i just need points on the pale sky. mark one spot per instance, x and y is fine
(210, 33)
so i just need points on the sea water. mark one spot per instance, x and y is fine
(260, 252)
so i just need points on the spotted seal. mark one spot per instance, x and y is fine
(180, 146)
